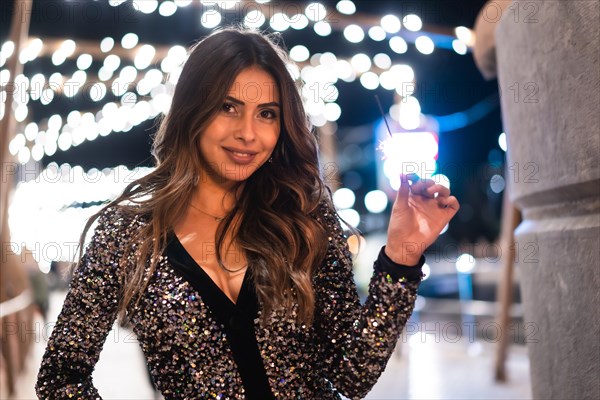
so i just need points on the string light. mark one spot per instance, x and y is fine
(315, 12)
(369, 80)
(132, 111)
(322, 28)
(354, 33)
(107, 44)
(129, 40)
(382, 60)
(299, 21)
(6, 51)
(376, 201)
(256, 19)
(84, 61)
(279, 22)
(377, 33)
(390, 23)
(145, 6)
(465, 35)
(167, 8)
(299, 53)
(459, 47)
(398, 45)
(210, 19)
(424, 44)
(412, 22)
(346, 7)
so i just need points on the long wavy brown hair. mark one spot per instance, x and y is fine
(282, 241)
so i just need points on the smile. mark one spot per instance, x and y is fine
(240, 157)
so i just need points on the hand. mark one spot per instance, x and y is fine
(418, 217)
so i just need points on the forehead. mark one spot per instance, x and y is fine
(254, 85)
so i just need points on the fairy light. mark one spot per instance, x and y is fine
(167, 8)
(459, 47)
(361, 62)
(228, 4)
(6, 51)
(424, 44)
(315, 12)
(134, 110)
(390, 23)
(376, 201)
(255, 19)
(31, 52)
(412, 22)
(299, 21)
(398, 45)
(465, 35)
(144, 56)
(145, 6)
(84, 61)
(346, 7)
(369, 80)
(354, 33)
(377, 33)
(299, 53)
(210, 18)
(279, 22)
(345, 71)
(129, 40)
(322, 28)
(107, 44)
(382, 60)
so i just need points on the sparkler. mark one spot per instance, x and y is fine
(387, 145)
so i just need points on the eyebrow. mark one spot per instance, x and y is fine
(271, 104)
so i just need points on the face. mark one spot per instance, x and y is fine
(243, 135)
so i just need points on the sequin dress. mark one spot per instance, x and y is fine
(186, 343)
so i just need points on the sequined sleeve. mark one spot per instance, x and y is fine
(356, 340)
(86, 318)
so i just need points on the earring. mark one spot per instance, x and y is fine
(270, 160)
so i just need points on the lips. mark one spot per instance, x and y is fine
(240, 156)
(240, 152)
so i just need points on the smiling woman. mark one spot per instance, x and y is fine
(243, 134)
(229, 259)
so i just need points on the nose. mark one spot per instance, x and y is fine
(245, 128)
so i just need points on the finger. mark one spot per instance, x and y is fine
(441, 190)
(420, 186)
(414, 178)
(402, 194)
(449, 202)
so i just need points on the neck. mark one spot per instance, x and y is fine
(214, 198)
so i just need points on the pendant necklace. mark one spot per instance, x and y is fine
(218, 219)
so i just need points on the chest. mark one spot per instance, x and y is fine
(228, 272)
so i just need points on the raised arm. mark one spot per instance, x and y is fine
(356, 341)
(86, 318)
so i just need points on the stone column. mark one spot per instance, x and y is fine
(548, 73)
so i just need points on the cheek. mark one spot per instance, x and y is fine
(274, 137)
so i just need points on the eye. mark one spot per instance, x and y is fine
(228, 107)
(268, 114)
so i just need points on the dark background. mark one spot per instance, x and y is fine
(474, 148)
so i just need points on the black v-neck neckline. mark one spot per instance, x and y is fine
(203, 283)
(237, 319)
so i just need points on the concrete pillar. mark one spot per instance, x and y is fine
(548, 73)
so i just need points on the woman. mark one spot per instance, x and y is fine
(229, 260)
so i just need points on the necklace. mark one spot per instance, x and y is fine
(232, 271)
(218, 219)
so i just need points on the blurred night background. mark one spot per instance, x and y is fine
(97, 76)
